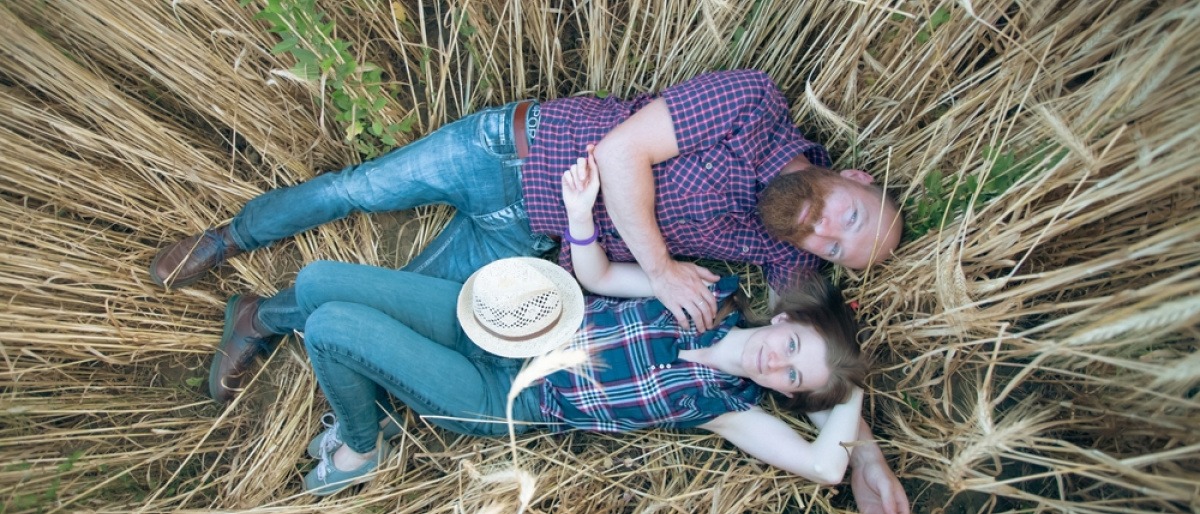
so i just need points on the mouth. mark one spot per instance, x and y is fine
(804, 213)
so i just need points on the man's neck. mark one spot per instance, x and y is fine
(798, 163)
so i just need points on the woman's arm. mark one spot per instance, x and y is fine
(593, 269)
(876, 489)
(764, 436)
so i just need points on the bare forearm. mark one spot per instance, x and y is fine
(629, 198)
(626, 157)
(841, 425)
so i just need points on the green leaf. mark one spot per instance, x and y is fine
(923, 36)
(376, 128)
(737, 35)
(898, 17)
(407, 123)
(939, 17)
(288, 43)
(601, 93)
(66, 465)
(379, 103)
(353, 130)
(194, 381)
(305, 71)
(933, 183)
(388, 140)
(341, 100)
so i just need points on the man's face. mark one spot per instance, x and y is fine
(841, 217)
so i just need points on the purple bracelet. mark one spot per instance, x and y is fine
(580, 242)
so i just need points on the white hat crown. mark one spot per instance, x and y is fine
(520, 307)
(515, 301)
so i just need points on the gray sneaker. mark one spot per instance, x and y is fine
(327, 479)
(328, 441)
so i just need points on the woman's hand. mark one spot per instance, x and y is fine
(580, 185)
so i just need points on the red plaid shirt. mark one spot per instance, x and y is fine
(734, 133)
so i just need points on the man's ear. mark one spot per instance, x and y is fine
(789, 395)
(859, 176)
(779, 318)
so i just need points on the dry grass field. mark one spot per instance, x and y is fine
(1036, 336)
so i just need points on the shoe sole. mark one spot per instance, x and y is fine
(219, 355)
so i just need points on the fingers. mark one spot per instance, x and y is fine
(677, 312)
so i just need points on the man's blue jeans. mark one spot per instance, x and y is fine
(373, 331)
(470, 164)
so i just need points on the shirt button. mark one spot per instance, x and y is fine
(668, 366)
(708, 166)
(745, 249)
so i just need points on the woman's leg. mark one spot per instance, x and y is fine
(359, 352)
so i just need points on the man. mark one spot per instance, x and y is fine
(683, 174)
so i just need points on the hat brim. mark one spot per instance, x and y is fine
(559, 333)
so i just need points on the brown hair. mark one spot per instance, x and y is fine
(813, 300)
(784, 196)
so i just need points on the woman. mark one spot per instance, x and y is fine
(372, 332)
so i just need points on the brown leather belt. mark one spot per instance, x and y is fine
(520, 137)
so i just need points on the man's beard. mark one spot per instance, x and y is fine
(781, 201)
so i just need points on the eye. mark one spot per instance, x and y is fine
(853, 217)
(792, 376)
(835, 250)
(792, 345)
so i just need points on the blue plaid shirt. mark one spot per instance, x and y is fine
(636, 379)
(734, 133)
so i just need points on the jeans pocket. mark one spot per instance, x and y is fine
(494, 128)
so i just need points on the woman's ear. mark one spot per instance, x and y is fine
(779, 318)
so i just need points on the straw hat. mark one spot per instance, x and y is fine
(520, 307)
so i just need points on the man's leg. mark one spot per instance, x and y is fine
(470, 164)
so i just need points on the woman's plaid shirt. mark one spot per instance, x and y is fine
(635, 378)
(734, 132)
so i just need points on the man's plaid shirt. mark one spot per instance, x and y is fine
(734, 134)
(635, 378)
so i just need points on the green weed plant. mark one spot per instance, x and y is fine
(929, 210)
(355, 90)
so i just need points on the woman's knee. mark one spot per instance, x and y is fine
(330, 323)
(315, 273)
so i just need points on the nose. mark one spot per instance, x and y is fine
(773, 361)
(822, 228)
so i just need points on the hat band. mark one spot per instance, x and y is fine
(534, 335)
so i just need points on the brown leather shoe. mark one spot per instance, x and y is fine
(186, 261)
(241, 342)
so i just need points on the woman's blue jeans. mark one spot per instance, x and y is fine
(470, 164)
(373, 331)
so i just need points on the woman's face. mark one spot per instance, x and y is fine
(785, 356)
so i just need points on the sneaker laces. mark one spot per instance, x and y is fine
(323, 468)
(331, 441)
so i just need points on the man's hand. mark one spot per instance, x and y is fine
(876, 489)
(683, 287)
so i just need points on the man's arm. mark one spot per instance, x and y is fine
(592, 268)
(625, 157)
